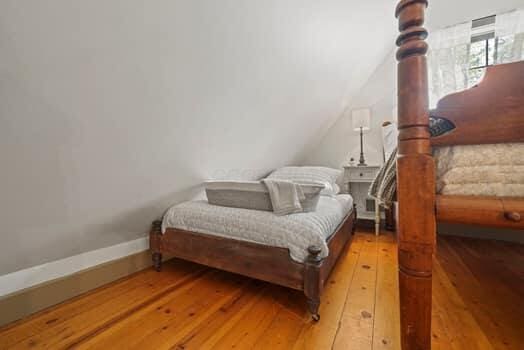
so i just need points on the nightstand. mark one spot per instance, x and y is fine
(357, 180)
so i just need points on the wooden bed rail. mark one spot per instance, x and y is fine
(415, 179)
(486, 211)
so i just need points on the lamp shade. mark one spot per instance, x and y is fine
(361, 118)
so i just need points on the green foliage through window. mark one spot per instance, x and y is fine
(483, 50)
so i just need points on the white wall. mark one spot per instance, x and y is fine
(341, 142)
(112, 110)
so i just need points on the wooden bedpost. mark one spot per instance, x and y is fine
(312, 282)
(354, 214)
(415, 179)
(154, 244)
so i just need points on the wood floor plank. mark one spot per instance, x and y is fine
(476, 253)
(488, 305)
(356, 324)
(220, 322)
(282, 332)
(166, 336)
(53, 317)
(321, 335)
(246, 332)
(504, 254)
(492, 273)
(169, 314)
(104, 314)
(462, 328)
(386, 328)
(440, 339)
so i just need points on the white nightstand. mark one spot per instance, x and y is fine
(357, 180)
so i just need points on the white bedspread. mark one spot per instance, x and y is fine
(295, 231)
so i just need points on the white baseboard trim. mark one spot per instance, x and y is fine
(18, 280)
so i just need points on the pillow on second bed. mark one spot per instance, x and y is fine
(255, 195)
(310, 174)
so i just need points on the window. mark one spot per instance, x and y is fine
(483, 48)
(458, 55)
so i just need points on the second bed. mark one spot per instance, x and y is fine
(296, 251)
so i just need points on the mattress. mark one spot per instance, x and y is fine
(295, 232)
(481, 170)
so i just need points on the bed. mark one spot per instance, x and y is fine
(490, 113)
(462, 171)
(296, 251)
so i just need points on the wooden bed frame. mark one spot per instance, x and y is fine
(271, 264)
(491, 112)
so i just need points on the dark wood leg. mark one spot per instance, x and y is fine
(312, 283)
(354, 227)
(313, 305)
(390, 218)
(154, 244)
(157, 261)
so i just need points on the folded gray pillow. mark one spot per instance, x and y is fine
(310, 174)
(255, 195)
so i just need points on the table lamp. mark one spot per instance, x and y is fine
(361, 122)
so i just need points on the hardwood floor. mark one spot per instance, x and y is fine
(478, 304)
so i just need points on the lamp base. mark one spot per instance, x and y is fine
(361, 161)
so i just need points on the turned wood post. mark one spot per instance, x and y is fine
(354, 214)
(415, 179)
(312, 282)
(390, 218)
(154, 244)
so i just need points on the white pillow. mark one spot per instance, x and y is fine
(310, 174)
(389, 139)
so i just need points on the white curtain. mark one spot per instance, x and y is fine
(509, 31)
(448, 61)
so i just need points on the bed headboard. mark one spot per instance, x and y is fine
(490, 112)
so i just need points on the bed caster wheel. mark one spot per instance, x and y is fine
(315, 317)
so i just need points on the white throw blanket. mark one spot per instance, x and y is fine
(285, 196)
